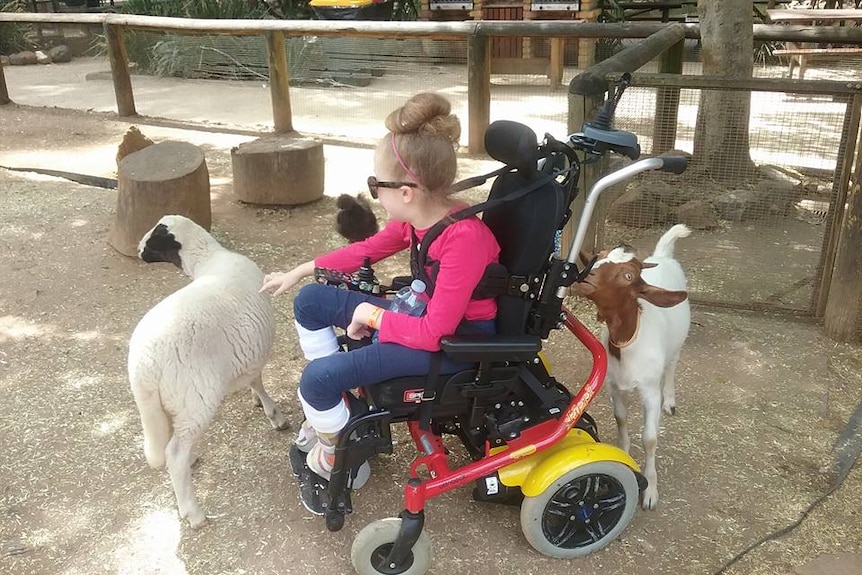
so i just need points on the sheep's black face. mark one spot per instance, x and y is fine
(162, 246)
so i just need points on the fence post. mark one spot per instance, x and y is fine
(582, 108)
(279, 84)
(4, 93)
(667, 102)
(120, 70)
(847, 151)
(478, 91)
(843, 315)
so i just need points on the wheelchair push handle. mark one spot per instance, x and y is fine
(674, 164)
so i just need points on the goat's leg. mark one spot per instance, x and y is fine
(668, 387)
(620, 399)
(651, 399)
(179, 462)
(270, 408)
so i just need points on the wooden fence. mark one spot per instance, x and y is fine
(477, 33)
(841, 289)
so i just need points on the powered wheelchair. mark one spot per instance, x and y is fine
(529, 438)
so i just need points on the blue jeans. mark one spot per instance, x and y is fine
(324, 380)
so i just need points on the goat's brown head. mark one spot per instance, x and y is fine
(615, 282)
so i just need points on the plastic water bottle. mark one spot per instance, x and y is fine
(410, 299)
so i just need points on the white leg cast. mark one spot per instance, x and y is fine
(270, 408)
(651, 400)
(316, 343)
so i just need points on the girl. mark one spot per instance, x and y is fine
(415, 166)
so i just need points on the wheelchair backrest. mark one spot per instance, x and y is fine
(525, 228)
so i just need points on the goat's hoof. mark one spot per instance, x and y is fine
(197, 519)
(279, 422)
(650, 500)
(669, 409)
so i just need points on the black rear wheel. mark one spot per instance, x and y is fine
(582, 511)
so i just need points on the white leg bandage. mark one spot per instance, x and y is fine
(318, 343)
(331, 420)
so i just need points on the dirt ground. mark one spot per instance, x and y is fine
(761, 400)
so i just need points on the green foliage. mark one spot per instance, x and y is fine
(14, 37)
(205, 9)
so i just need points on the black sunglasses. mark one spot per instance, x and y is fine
(374, 183)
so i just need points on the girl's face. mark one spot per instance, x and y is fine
(399, 202)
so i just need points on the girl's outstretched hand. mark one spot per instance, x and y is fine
(280, 282)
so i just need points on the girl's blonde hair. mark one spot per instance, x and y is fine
(425, 134)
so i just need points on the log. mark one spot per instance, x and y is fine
(159, 180)
(278, 170)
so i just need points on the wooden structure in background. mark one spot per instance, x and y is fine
(523, 55)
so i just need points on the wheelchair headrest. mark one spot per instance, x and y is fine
(513, 144)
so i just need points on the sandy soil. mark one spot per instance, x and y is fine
(761, 402)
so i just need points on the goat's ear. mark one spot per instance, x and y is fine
(661, 297)
(585, 257)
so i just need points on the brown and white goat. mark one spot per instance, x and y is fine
(645, 309)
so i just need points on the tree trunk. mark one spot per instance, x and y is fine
(721, 143)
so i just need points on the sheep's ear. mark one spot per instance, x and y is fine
(661, 297)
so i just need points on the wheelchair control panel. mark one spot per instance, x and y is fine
(362, 280)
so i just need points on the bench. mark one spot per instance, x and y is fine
(804, 55)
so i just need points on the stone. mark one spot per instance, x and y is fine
(24, 58)
(696, 214)
(737, 205)
(778, 196)
(638, 209)
(42, 57)
(670, 194)
(60, 53)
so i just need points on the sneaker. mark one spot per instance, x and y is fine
(306, 438)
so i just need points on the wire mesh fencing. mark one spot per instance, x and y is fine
(761, 215)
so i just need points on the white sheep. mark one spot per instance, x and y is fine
(645, 309)
(200, 343)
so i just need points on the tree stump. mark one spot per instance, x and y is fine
(280, 169)
(161, 179)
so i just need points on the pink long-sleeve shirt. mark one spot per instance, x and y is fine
(463, 251)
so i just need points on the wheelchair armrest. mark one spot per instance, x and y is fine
(476, 348)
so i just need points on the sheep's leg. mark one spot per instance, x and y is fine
(179, 460)
(270, 408)
(651, 399)
(619, 400)
(668, 389)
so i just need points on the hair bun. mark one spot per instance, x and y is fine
(426, 114)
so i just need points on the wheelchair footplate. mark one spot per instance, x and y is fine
(312, 487)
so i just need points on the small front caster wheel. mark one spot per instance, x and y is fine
(372, 546)
(334, 520)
